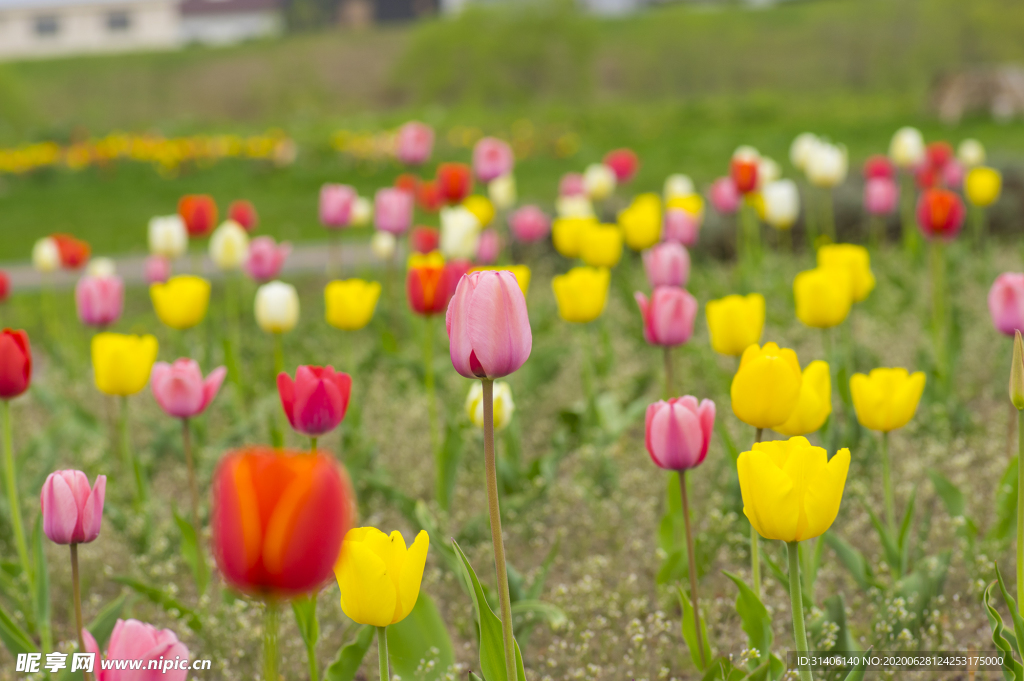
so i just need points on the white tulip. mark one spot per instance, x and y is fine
(504, 407)
(781, 203)
(101, 268)
(907, 147)
(598, 181)
(801, 148)
(827, 165)
(460, 233)
(168, 237)
(577, 206)
(362, 212)
(383, 244)
(746, 152)
(502, 191)
(767, 171)
(229, 246)
(277, 307)
(678, 185)
(971, 153)
(46, 255)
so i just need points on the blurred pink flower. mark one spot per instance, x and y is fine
(336, 201)
(624, 163)
(668, 315)
(180, 389)
(157, 269)
(529, 223)
(681, 226)
(414, 143)
(571, 184)
(725, 197)
(881, 196)
(392, 210)
(266, 257)
(488, 247)
(667, 264)
(135, 640)
(99, 300)
(72, 512)
(492, 158)
(1006, 303)
(678, 432)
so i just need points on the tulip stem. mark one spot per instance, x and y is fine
(799, 635)
(428, 382)
(496, 538)
(908, 197)
(186, 436)
(77, 593)
(755, 556)
(668, 372)
(382, 652)
(890, 504)
(312, 445)
(270, 642)
(938, 267)
(693, 568)
(1020, 513)
(12, 495)
(131, 466)
(829, 213)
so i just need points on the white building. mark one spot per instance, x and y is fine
(223, 22)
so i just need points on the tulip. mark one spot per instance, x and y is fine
(492, 158)
(879, 167)
(336, 204)
(277, 307)
(886, 399)
(581, 293)
(938, 154)
(598, 181)
(135, 640)
(677, 185)
(73, 252)
(502, 191)
(244, 214)
(667, 264)
(181, 303)
(815, 403)
(1006, 303)
(827, 165)
(624, 163)
(823, 296)
(99, 300)
(229, 246)
(982, 186)
(971, 153)
(488, 327)
(766, 388)
(940, 213)
(601, 245)
(856, 260)
(574, 207)
(529, 224)
(5, 286)
(881, 196)
(572, 184)
(460, 233)
(72, 511)
(157, 269)
(266, 258)
(392, 210)
(455, 181)
(428, 195)
(641, 222)
(481, 207)
(408, 183)
(781, 203)
(680, 227)
(15, 378)
(383, 245)
(168, 236)
(180, 389)
(735, 323)
(907, 147)
(199, 212)
(691, 203)
(101, 267)
(430, 282)
(567, 235)
(362, 212)
(725, 196)
(743, 171)
(316, 401)
(46, 255)
(504, 407)
(489, 247)
(953, 175)
(414, 143)
(801, 149)
(351, 303)
(122, 363)
(520, 272)
(668, 316)
(424, 239)
(768, 171)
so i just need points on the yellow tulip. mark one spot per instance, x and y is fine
(504, 407)
(735, 323)
(983, 185)
(766, 388)
(481, 207)
(521, 272)
(815, 403)
(350, 303)
(122, 363)
(856, 260)
(182, 301)
(567, 233)
(886, 399)
(756, 199)
(581, 293)
(601, 245)
(823, 296)
(791, 490)
(432, 259)
(641, 222)
(378, 576)
(691, 203)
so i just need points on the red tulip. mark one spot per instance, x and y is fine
(455, 181)
(244, 213)
(488, 327)
(279, 519)
(624, 163)
(428, 196)
(73, 252)
(424, 239)
(878, 166)
(5, 286)
(743, 171)
(199, 211)
(15, 363)
(939, 154)
(407, 182)
(940, 213)
(430, 286)
(316, 401)
(668, 316)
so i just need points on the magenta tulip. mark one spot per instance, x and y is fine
(492, 158)
(414, 143)
(667, 264)
(571, 184)
(266, 258)
(135, 640)
(72, 512)
(678, 432)
(529, 223)
(316, 401)
(725, 197)
(681, 226)
(953, 174)
(881, 196)
(392, 210)
(488, 247)
(1006, 302)
(157, 269)
(99, 300)
(180, 389)
(488, 327)
(336, 201)
(668, 315)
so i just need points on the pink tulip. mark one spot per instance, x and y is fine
(953, 174)
(668, 316)
(725, 197)
(681, 226)
(881, 195)
(624, 163)
(488, 328)
(492, 158)
(72, 513)
(266, 258)
(678, 432)
(157, 269)
(1006, 302)
(99, 300)
(488, 247)
(414, 143)
(316, 401)
(392, 210)
(571, 184)
(667, 264)
(529, 223)
(336, 202)
(135, 640)
(180, 390)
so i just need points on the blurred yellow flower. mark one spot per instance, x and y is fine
(735, 323)
(823, 296)
(122, 363)
(886, 399)
(581, 293)
(379, 577)
(691, 203)
(521, 272)
(601, 245)
(567, 234)
(504, 407)
(815, 403)
(351, 303)
(856, 260)
(766, 388)
(181, 302)
(641, 221)
(481, 207)
(983, 185)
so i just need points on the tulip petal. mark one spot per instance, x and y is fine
(286, 390)
(412, 573)
(211, 386)
(368, 595)
(770, 499)
(824, 494)
(92, 511)
(60, 512)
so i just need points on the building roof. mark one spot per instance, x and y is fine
(193, 7)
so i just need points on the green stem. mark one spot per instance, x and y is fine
(978, 218)
(693, 568)
(312, 445)
(428, 381)
(828, 212)
(799, 635)
(908, 197)
(193, 486)
(755, 557)
(668, 372)
(382, 652)
(131, 466)
(278, 356)
(77, 595)
(496, 538)
(1020, 513)
(270, 642)
(12, 495)
(938, 267)
(810, 218)
(890, 504)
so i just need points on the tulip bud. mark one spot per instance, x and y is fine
(16, 364)
(168, 236)
(678, 185)
(907, 147)
(101, 268)
(668, 315)
(180, 389)
(725, 196)
(72, 512)
(135, 640)
(383, 245)
(266, 258)
(350, 303)
(502, 191)
(504, 407)
(362, 212)
(827, 165)
(1017, 372)
(488, 326)
(571, 184)
(667, 264)
(277, 307)
(641, 221)
(886, 399)
(157, 269)
(199, 212)
(99, 300)
(378, 576)
(182, 301)
(121, 364)
(392, 210)
(781, 203)
(481, 207)
(581, 293)
(244, 213)
(801, 149)
(229, 246)
(316, 401)
(678, 432)
(983, 186)
(601, 245)
(624, 163)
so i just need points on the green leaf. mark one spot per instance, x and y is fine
(835, 612)
(104, 622)
(422, 636)
(492, 650)
(1018, 623)
(902, 542)
(41, 595)
(350, 657)
(548, 612)
(889, 545)
(474, 677)
(192, 553)
(171, 605)
(852, 559)
(690, 632)
(536, 588)
(950, 494)
(14, 637)
(304, 608)
(448, 463)
(1006, 504)
(756, 621)
(1012, 670)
